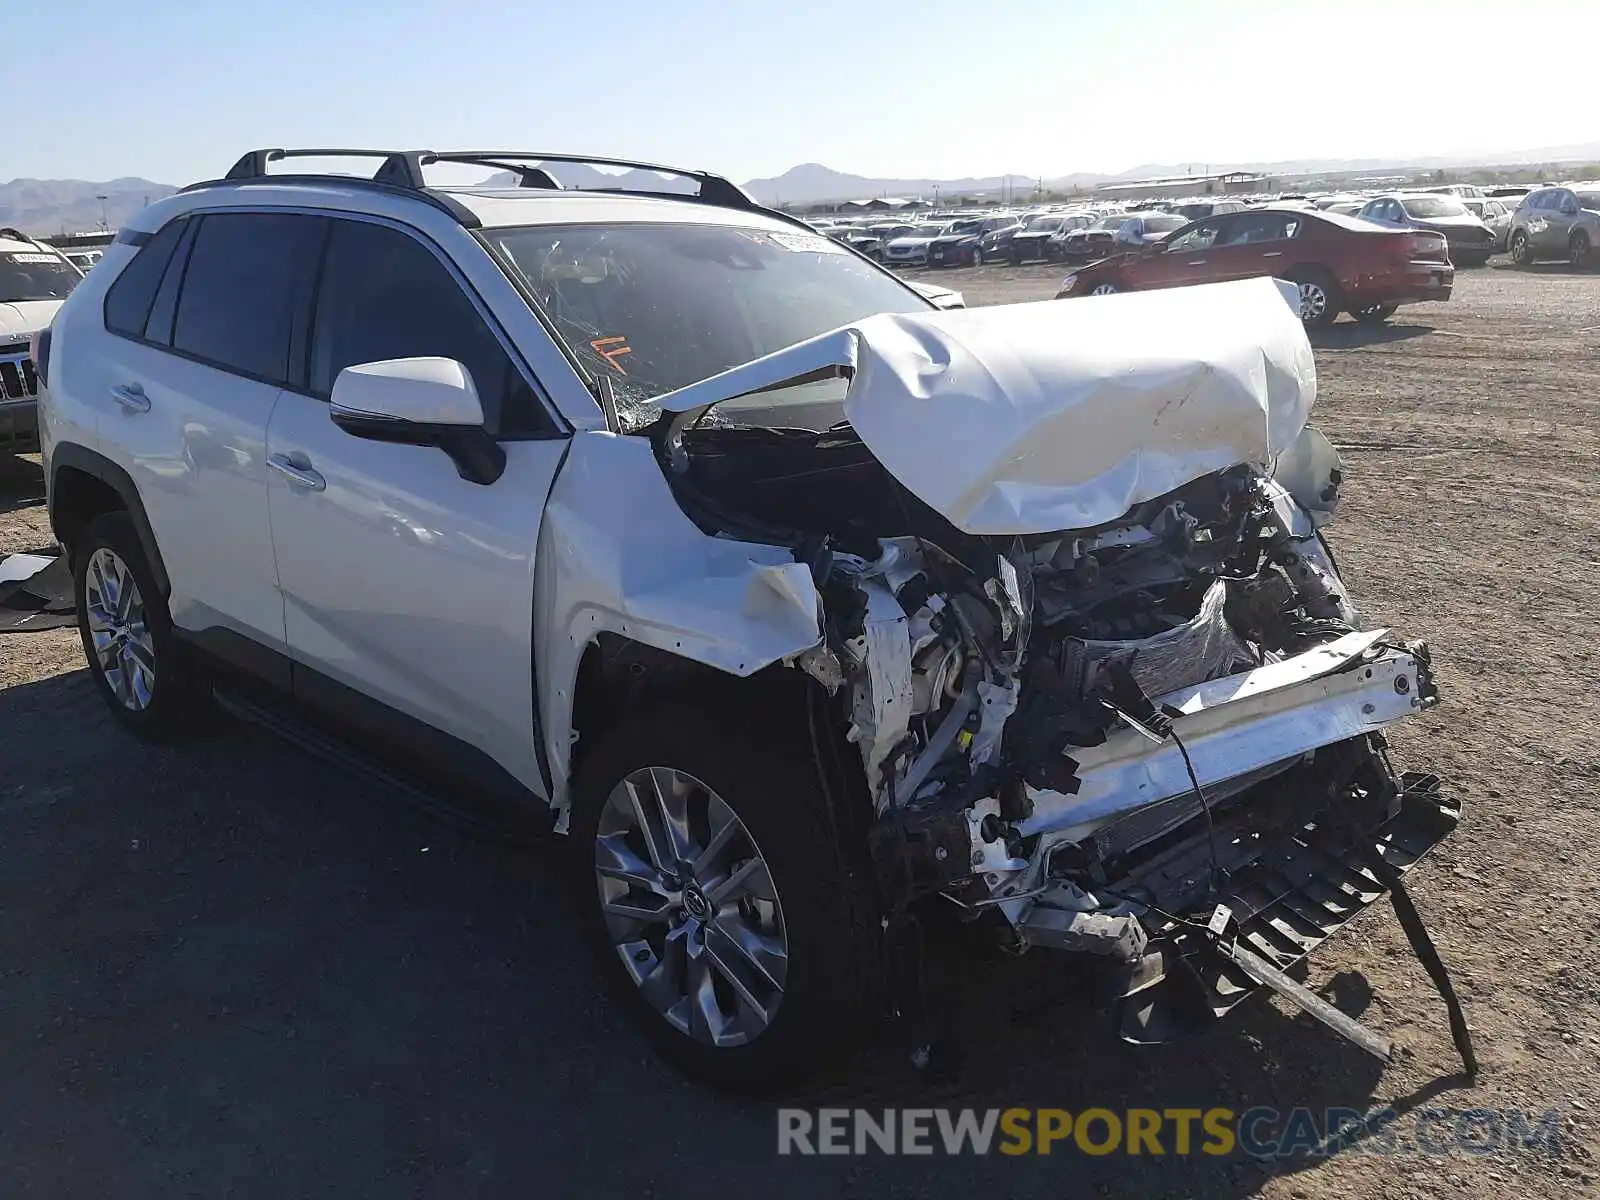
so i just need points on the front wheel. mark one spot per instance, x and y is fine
(1521, 249)
(1578, 250)
(730, 922)
(1103, 289)
(977, 257)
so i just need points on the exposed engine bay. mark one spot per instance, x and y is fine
(970, 669)
(1104, 737)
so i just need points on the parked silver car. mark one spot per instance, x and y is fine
(1559, 223)
(1471, 241)
(1496, 215)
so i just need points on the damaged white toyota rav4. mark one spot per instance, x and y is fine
(798, 605)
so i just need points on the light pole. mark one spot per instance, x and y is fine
(102, 200)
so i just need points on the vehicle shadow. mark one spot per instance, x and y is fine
(232, 968)
(1543, 268)
(1353, 335)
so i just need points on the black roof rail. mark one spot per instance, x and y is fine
(528, 177)
(401, 171)
(714, 189)
(401, 168)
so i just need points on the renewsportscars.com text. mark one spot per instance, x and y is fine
(1265, 1133)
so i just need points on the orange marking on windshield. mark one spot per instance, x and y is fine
(611, 349)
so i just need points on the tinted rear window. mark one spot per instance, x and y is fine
(247, 281)
(129, 298)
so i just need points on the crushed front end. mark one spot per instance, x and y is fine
(1156, 740)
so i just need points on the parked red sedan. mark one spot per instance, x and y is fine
(1341, 264)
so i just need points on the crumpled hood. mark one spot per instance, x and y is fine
(1031, 418)
(22, 317)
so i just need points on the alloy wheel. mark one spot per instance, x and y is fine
(1313, 301)
(1519, 250)
(1103, 289)
(690, 906)
(124, 651)
(1579, 249)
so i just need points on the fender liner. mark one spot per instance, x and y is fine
(81, 458)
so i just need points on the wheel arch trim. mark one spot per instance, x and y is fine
(72, 456)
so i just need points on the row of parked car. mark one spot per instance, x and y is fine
(1531, 224)
(1365, 255)
(1052, 234)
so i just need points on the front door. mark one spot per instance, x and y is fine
(1184, 258)
(402, 582)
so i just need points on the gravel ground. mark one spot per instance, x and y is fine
(231, 969)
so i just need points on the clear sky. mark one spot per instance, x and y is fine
(174, 90)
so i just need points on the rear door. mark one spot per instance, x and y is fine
(186, 399)
(402, 582)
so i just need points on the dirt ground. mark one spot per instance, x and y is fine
(230, 969)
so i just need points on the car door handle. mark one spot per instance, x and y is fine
(131, 396)
(1272, 254)
(298, 469)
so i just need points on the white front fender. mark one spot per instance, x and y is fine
(618, 555)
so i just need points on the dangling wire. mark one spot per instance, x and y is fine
(1205, 807)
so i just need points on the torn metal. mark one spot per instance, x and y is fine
(1060, 570)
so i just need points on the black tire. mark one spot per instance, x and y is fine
(1578, 249)
(977, 256)
(1314, 313)
(174, 703)
(1521, 249)
(1375, 314)
(822, 880)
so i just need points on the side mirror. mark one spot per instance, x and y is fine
(419, 402)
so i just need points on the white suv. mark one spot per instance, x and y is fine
(810, 614)
(34, 280)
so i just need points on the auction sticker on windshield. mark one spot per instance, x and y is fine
(810, 243)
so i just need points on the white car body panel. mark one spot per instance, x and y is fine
(1031, 418)
(618, 555)
(410, 584)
